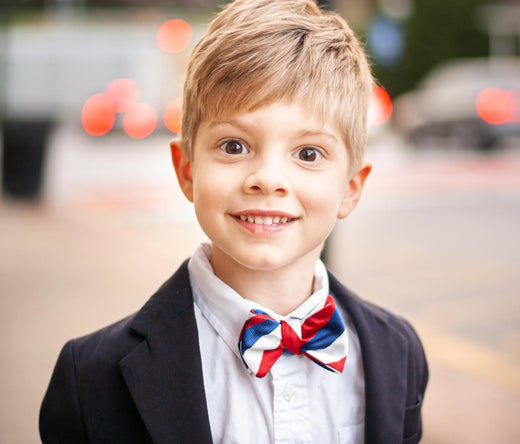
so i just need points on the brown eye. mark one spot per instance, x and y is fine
(234, 147)
(309, 154)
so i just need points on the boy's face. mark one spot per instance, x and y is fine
(268, 185)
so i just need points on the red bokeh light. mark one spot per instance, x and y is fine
(98, 115)
(380, 108)
(173, 115)
(140, 120)
(123, 93)
(515, 95)
(496, 106)
(174, 35)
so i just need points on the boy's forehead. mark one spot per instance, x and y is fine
(306, 120)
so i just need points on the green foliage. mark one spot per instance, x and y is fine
(436, 30)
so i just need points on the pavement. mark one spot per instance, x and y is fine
(435, 239)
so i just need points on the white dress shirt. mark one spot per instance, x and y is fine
(297, 401)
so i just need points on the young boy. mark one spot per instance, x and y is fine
(246, 343)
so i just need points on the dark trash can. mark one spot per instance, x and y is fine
(24, 152)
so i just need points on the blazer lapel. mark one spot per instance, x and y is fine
(384, 351)
(164, 372)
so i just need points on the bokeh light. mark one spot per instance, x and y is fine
(515, 94)
(173, 115)
(123, 93)
(140, 120)
(380, 108)
(98, 115)
(174, 35)
(496, 106)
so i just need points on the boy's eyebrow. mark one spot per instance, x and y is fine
(299, 134)
(231, 122)
(306, 133)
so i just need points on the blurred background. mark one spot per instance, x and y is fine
(92, 220)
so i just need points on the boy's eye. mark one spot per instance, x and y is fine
(308, 154)
(233, 147)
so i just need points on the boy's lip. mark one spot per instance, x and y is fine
(262, 222)
(264, 213)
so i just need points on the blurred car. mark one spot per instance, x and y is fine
(475, 102)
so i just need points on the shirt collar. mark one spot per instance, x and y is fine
(226, 310)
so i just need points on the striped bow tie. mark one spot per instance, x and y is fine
(323, 339)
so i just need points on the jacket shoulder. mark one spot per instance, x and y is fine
(88, 391)
(352, 302)
(111, 343)
(86, 384)
(364, 310)
(108, 344)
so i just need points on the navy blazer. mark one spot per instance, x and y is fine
(140, 379)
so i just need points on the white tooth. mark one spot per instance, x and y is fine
(268, 221)
(243, 217)
(276, 220)
(284, 220)
(250, 219)
(259, 220)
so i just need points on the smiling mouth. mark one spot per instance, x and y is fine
(264, 220)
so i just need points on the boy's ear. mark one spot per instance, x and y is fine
(182, 168)
(354, 190)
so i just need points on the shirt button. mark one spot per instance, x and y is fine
(288, 393)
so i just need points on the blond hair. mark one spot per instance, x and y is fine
(258, 52)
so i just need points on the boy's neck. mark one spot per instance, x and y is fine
(281, 290)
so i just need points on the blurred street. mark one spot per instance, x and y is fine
(435, 239)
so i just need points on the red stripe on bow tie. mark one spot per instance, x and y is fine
(290, 339)
(314, 323)
(268, 360)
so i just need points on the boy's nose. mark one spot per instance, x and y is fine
(267, 177)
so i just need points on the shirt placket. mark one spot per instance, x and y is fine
(291, 417)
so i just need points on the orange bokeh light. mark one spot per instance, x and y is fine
(123, 93)
(496, 106)
(140, 120)
(98, 115)
(380, 108)
(174, 35)
(173, 115)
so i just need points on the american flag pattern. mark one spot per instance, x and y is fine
(323, 339)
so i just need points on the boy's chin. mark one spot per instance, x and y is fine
(264, 260)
